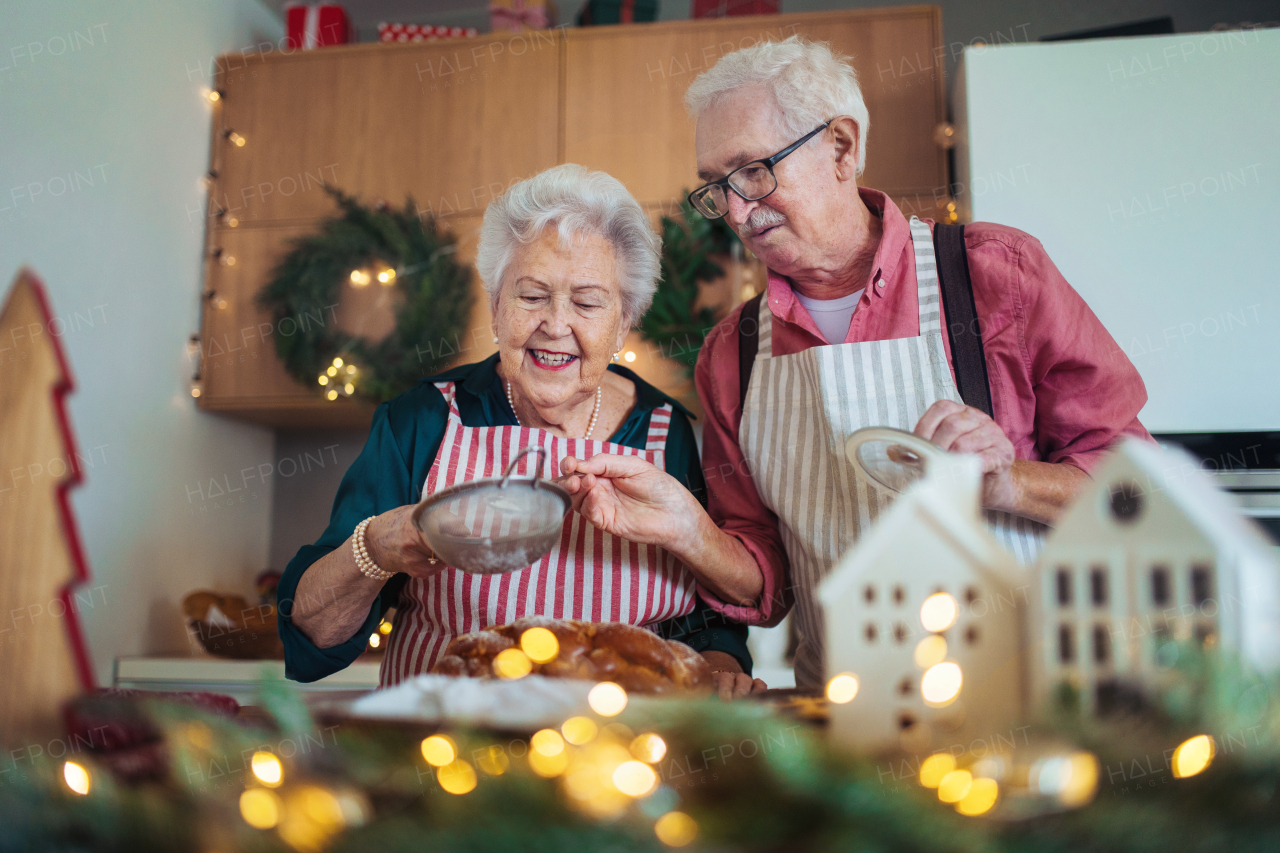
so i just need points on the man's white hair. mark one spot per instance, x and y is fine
(576, 202)
(810, 85)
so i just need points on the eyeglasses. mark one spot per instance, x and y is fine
(751, 182)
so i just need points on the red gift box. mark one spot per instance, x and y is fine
(725, 8)
(422, 32)
(309, 25)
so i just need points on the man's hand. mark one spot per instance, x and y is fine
(630, 498)
(728, 678)
(957, 428)
(1036, 490)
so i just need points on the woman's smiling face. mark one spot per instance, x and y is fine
(559, 318)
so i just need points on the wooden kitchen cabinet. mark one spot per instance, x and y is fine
(453, 123)
(438, 121)
(647, 142)
(240, 373)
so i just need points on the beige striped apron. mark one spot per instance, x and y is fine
(589, 574)
(798, 412)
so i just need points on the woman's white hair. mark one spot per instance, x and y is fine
(810, 85)
(576, 202)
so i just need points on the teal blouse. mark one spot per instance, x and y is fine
(403, 441)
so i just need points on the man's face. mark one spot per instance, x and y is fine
(787, 230)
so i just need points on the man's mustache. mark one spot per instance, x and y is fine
(760, 218)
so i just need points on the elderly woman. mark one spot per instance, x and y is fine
(570, 262)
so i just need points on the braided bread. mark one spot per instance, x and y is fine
(633, 657)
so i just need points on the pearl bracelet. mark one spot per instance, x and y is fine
(367, 567)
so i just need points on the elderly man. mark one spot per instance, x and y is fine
(851, 333)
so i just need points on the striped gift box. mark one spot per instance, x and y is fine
(422, 32)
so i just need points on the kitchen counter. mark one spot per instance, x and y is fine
(237, 678)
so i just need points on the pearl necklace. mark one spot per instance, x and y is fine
(595, 414)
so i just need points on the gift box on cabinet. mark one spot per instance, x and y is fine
(600, 12)
(725, 8)
(422, 32)
(309, 25)
(515, 16)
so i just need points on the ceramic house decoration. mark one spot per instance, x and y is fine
(1152, 551)
(924, 622)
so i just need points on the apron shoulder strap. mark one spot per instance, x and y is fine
(748, 345)
(659, 428)
(963, 328)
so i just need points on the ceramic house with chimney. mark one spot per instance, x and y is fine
(1151, 552)
(927, 613)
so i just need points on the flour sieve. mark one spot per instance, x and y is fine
(497, 524)
(891, 458)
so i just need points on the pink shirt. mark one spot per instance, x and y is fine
(1061, 388)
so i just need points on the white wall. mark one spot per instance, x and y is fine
(111, 93)
(1149, 168)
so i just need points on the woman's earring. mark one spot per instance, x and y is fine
(615, 356)
(495, 339)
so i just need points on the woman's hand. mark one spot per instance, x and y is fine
(396, 544)
(628, 497)
(632, 499)
(729, 680)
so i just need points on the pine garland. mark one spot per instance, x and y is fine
(751, 778)
(687, 246)
(432, 315)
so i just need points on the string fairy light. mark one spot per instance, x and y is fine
(339, 378)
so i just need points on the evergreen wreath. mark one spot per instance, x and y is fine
(412, 252)
(687, 246)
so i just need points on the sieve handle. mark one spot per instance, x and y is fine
(537, 472)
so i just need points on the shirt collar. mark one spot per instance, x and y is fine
(895, 237)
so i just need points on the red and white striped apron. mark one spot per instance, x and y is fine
(589, 575)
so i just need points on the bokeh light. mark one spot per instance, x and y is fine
(607, 699)
(1192, 756)
(512, 664)
(941, 683)
(935, 767)
(267, 768)
(675, 829)
(76, 777)
(1072, 779)
(939, 612)
(549, 766)
(260, 808)
(312, 815)
(457, 777)
(493, 760)
(438, 750)
(589, 780)
(842, 688)
(932, 649)
(634, 778)
(649, 747)
(579, 730)
(955, 786)
(547, 742)
(540, 645)
(981, 797)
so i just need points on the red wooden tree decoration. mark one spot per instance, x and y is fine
(44, 661)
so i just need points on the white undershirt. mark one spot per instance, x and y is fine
(832, 316)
